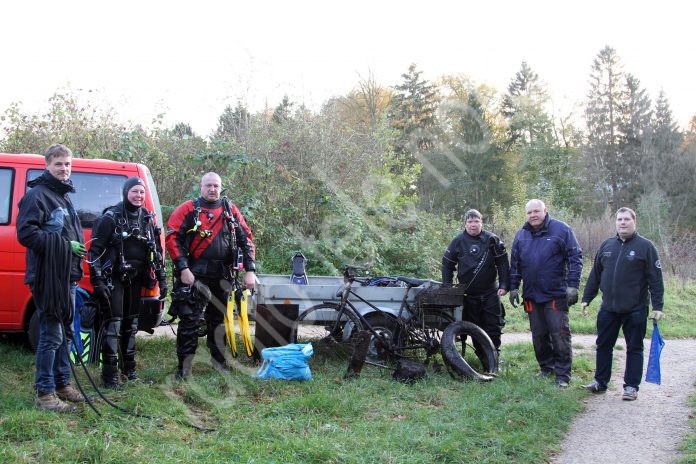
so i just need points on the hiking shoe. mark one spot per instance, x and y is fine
(68, 393)
(560, 383)
(50, 402)
(544, 374)
(630, 393)
(595, 387)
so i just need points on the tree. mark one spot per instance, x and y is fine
(538, 152)
(466, 168)
(524, 108)
(412, 114)
(282, 113)
(71, 119)
(616, 114)
(365, 106)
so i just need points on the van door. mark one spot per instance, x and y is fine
(11, 254)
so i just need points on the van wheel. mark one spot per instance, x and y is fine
(33, 332)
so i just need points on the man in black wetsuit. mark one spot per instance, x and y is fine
(481, 262)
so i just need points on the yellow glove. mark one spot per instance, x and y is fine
(583, 309)
(656, 315)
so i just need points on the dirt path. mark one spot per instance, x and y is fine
(648, 430)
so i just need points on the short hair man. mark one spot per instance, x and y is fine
(547, 258)
(203, 238)
(480, 259)
(626, 269)
(48, 226)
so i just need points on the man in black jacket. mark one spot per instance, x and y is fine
(627, 270)
(480, 259)
(48, 226)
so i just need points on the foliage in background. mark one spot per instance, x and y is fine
(382, 176)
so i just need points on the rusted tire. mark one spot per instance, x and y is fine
(481, 366)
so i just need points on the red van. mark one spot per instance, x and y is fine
(98, 184)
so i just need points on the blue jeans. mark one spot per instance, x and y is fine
(634, 325)
(52, 358)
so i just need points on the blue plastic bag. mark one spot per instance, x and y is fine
(289, 362)
(652, 373)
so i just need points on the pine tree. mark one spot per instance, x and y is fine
(635, 150)
(412, 114)
(234, 123)
(523, 107)
(466, 168)
(616, 120)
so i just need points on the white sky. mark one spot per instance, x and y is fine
(191, 59)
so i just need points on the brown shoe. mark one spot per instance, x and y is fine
(51, 402)
(68, 393)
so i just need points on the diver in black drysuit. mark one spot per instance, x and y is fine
(125, 256)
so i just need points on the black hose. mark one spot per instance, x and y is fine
(106, 400)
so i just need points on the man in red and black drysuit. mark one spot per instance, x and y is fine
(203, 239)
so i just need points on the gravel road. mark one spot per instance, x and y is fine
(648, 430)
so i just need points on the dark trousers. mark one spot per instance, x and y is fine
(187, 334)
(551, 336)
(485, 311)
(121, 320)
(634, 325)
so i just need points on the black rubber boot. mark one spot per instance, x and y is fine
(112, 329)
(128, 348)
(183, 369)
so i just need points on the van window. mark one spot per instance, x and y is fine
(93, 193)
(6, 176)
(155, 198)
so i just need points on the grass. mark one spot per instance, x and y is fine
(680, 298)
(516, 418)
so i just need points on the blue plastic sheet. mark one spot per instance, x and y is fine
(289, 362)
(653, 374)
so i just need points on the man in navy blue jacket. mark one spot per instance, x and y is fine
(547, 258)
(628, 271)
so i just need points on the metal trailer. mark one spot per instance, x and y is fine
(275, 289)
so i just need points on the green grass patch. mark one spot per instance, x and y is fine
(515, 418)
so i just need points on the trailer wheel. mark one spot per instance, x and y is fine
(329, 329)
(385, 325)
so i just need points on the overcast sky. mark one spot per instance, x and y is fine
(189, 60)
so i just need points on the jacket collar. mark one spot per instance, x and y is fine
(54, 184)
(209, 204)
(631, 237)
(544, 226)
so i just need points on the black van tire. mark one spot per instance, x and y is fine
(33, 331)
(452, 354)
